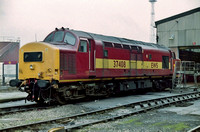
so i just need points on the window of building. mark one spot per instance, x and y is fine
(83, 46)
(165, 62)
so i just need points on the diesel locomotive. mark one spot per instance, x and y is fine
(71, 64)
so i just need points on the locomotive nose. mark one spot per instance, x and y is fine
(37, 60)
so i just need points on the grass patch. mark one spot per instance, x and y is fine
(159, 123)
(138, 123)
(176, 127)
(129, 121)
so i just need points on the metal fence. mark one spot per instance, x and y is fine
(186, 74)
(9, 39)
(8, 72)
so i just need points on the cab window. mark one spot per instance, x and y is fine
(49, 38)
(69, 39)
(83, 46)
(58, 37)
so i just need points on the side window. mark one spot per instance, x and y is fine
(126, 46)
(117, 45)
(134, 47)
(150, 56)
(69, 39)
(108, 44)
(165, 62)
(105, 53)
(83, 46)
(139, 49)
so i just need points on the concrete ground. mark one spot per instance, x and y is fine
(10, 94)
(176, 118)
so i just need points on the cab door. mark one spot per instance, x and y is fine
(83, 58)
(92, 56)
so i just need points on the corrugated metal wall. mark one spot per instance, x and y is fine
(182, 31)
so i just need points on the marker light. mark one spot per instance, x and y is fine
(31, 67)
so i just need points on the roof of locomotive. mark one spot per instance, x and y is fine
(118, 40)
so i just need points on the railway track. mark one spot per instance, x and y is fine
(196, 129)
(9, 100)
(14, 109)
(23, 108)
(77, 121)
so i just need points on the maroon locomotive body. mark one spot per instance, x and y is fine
(84, 64)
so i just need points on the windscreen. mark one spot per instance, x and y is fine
(61, 37)
(32, 56)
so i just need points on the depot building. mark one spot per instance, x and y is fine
(181, 33)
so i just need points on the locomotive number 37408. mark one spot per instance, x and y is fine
(119, 64)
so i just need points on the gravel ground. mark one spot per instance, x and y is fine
(173, 119)
(153, 121)
(161, 120)
(39, 115)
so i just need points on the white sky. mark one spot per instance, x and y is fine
(121, 18)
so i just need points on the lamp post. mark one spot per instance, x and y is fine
(152, 28)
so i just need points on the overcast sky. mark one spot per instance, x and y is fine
(122, 18)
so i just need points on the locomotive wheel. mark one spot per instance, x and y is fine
(158, 86)
(60, 99)
(61, 95)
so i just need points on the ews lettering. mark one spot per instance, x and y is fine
(154, 65)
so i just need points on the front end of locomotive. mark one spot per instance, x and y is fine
(38, 70)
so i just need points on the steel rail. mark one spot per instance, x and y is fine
(22, 108)
(13, 109)
(14, 99)
(196, 129)
(138, 107)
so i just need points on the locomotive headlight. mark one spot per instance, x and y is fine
(32, 67)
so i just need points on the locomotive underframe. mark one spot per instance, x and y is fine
(45, 91)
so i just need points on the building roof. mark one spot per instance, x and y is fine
(9, 51)
(178, 16)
